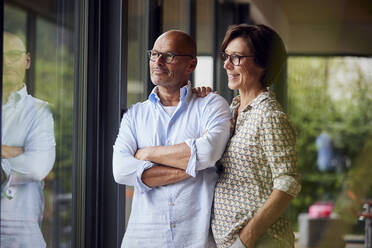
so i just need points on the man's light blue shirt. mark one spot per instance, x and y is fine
(27, 122)
(175, 215)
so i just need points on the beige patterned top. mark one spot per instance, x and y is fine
(259, 157)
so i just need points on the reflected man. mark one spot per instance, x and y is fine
(167, 148)
(27, 151)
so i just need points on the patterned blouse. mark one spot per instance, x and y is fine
(259, 157)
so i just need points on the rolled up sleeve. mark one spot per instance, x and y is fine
(279, 144)
(207, 149)
(37, 160)
(126, 168)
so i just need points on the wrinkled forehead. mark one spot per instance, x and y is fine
(12, 42)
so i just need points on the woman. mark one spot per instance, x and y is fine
(259, 177)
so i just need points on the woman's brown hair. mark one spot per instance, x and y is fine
(266, 45)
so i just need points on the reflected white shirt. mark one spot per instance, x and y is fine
(28, 123)
(176, 215)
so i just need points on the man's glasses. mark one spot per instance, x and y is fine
(14, 56)
(167, 57)
(234, 58)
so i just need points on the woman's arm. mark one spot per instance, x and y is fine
(273, 208)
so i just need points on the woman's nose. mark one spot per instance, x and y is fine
(227, 64)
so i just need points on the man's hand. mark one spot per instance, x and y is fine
(10, 151)
(141, 154)
(159, 175)
(176, 156)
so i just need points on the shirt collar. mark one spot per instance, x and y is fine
(185, 94)
(255, 102)
(17, 96)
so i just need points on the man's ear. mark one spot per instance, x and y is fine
(28, 61)
(193, 64)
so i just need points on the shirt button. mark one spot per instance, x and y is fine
(10, 193)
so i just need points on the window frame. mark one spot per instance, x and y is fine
(99, 202)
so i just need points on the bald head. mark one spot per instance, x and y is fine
(179, 41)
(12, 41)
(173, 74)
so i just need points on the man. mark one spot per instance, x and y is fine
(27, 151)
(167, 148)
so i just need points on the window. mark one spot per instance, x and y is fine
(137, 63)
(203, 75)
(329, 101)
(37, 124)
(136, 48)
(175, 15)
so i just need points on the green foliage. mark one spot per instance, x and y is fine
(54, 83)
(332, 95)
(358, 186)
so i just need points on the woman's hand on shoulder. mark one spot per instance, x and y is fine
(202, 91)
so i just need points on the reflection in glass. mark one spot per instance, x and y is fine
(203, 75)
(137, 59)
(27, 151)
(37, 123)
(137, 62)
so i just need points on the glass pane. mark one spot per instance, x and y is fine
(137, 63)
(329, 101)
(203, 75)
(175, 15)
(37, 124)
(137, 60)
(204, 27)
